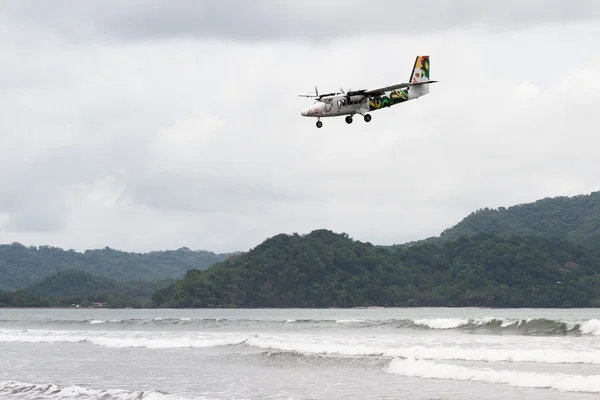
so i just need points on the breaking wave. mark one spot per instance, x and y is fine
(31, 391)
(490, 325)
(440, 352)
(530, 326)
(358, 346)
(149, 340)
(292, 358)
(521, 379)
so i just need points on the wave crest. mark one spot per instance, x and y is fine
(528, 326)
(51, 391)
(448, 353)
(522, 379)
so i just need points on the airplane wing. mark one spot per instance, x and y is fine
(382, 90)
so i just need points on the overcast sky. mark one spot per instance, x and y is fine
(150, 125)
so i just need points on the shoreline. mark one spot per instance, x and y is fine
(302, 308)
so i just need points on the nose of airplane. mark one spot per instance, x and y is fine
(304, 112)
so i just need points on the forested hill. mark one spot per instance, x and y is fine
(326, 269)
(22, 266)
(573, 218)
(72, 286)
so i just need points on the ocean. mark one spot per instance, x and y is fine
(299, 354)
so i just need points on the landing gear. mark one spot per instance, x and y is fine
(349, 119)
(319, 124)
(367, 117)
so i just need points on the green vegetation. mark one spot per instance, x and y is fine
(571, 218)
(76, 287)
(73, 286)
(325, 269)
(542, 254)
(22, 266)
(576, 219)
(21, 298)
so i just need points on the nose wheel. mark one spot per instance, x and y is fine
(319, 124)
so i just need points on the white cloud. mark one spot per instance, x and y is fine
(309, 20)
(199, 142)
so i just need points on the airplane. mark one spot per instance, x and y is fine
(363, 101)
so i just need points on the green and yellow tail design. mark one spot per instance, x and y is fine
(420, 72)
(418, 85)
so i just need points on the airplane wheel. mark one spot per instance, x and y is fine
(349, 119)
(367, 117)
(319, 124)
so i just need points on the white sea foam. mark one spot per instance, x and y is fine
(547, 356)
(442, 323)
(432, 370)
(591, 327)
(453, 346)
(507, 322)
(49, 391)
(7, 336)
(487, 350)
(165, 343)
(358, 347)
(124, 339)
(516, 326)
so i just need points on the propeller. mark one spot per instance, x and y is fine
(343, 92)
(316, 95)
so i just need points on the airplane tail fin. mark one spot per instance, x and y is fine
(420, 74)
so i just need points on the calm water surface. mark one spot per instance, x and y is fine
(299, 354)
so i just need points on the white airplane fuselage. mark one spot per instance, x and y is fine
(340, 104)
(366, 100)
(337, 105)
